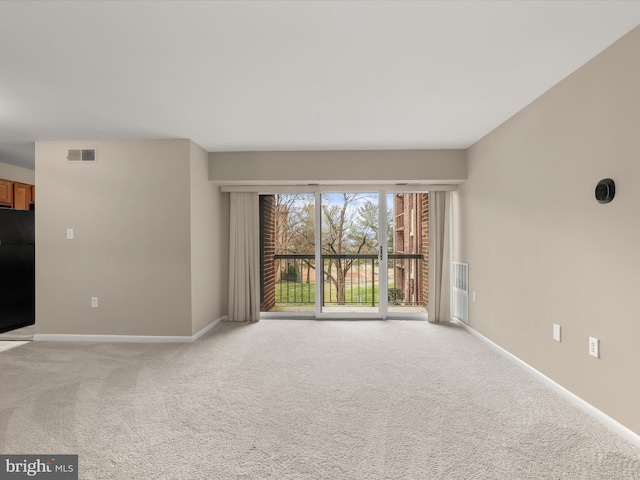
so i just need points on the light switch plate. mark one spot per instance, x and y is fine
(594, 347)
(69, 233)
(556, 332)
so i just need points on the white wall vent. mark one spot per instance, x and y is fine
(460, 291)
(85, 155)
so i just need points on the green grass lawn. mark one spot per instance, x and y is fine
(305, 294)
(295, 293)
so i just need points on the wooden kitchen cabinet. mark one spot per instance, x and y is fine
(17, 195)
(21, 196)
(6, 193)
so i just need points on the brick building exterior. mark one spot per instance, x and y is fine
(267, 252)
(410, 237)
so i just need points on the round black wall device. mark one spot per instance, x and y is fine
(605, 190)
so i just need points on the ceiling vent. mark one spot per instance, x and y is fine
(86, 155)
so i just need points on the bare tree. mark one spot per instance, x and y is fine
(288, 220)
(348, 228)
(294, 228)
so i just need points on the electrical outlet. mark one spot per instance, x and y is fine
(594, 347)
(94, 302)
(556, 332)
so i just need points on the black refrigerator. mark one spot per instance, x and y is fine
(17, 269)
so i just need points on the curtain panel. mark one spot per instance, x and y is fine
(244, 257)
(439, 309)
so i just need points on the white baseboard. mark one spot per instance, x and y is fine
(583, 405)
(54, 337)
(209, 327)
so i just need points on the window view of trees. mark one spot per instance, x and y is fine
(349, 223)
(350, 226)
(349, 247)
(294, 224)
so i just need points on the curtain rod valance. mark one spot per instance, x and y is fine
(393, 188)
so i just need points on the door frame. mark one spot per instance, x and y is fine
(381, 314)
(382, 189)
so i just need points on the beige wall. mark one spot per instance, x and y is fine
(541, 250)
(131, 215)
(17, 174)
(209, 243)
(339, 167)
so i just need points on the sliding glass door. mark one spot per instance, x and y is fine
(351, 239)
(344, 255)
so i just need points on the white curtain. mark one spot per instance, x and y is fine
(244, 257)
(439, 257)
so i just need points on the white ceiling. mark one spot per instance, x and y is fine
(287, 75)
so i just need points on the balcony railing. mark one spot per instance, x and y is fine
(407, 281)
(348, 279)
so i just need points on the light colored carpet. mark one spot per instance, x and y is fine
(287, 399)
(8, 345)
(24, 333)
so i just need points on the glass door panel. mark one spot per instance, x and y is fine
(287, 252)
(350, 230)
(407, 251)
